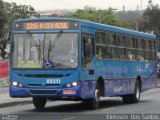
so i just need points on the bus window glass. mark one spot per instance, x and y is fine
(140, 43)
(148, 55)
(28, 50)
(87, 50)
(147, 46)
(63, 53)
(112, 53)
(121, 54)
(56, 51)
(112, 39)
(153, 46)
(131, 54)
(140, 55)
(130, 42)
(101, 37)
(153, 56)
(101, 52)
(121, 41)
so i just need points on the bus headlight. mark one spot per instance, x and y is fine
(14, 83)
(74, 84)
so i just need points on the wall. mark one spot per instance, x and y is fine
(4, 73)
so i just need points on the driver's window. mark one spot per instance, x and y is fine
(87, 50)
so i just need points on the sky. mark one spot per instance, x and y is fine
(74, 4)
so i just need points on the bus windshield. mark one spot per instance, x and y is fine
(45, 51)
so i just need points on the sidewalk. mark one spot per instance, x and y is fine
(7, 101)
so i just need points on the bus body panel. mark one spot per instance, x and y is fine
(36, 81)
(120, 76)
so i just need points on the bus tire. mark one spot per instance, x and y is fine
(39, 102)
(95, 101)
(133, 98)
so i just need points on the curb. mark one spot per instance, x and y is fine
(4, 88)
(15, 103)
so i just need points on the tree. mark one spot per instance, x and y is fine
(100, 16)
(2, 18)
(14, 11)
(2, 23)
(10, 12)
(151, 18)
(3, 43)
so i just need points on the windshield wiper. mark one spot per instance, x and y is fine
(51, 46)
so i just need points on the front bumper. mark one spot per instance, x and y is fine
(43, 92)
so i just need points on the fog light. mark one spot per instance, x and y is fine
(20, 85)
(68, 85)
(14, 83)
(74, 84)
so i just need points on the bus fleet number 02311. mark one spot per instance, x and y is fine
(53, 81)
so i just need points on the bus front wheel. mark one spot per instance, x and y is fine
(39, 102)
(133, 98)
(95, 101)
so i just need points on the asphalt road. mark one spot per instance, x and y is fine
(111, 108)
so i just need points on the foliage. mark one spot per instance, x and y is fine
(2, 17)
(151, 17)
(8, 13)
(3, 43)
(14, 11)
(100, 16)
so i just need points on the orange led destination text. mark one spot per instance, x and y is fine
(46, 25)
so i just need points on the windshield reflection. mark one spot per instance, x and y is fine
(32, 50)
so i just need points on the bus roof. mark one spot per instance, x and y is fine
(97, 26)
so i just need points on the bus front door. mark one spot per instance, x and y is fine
(88, 62)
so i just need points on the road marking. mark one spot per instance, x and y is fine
(108, 109)
(68, 118)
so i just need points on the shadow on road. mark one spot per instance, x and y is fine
(63, 107)
(77, 107)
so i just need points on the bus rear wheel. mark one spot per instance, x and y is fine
(133, 98)
(39, 102)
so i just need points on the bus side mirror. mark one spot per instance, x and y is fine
(7, 49)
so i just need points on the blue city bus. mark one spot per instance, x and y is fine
(77, 60)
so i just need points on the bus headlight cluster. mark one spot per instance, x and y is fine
(73, 84)
(16, 84)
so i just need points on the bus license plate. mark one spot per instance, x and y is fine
(69, 92)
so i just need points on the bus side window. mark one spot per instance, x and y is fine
(131, 54)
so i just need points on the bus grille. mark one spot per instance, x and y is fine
(43, 91)
(42, 76)
(40, 85)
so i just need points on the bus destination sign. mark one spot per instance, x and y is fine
(45, 25)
